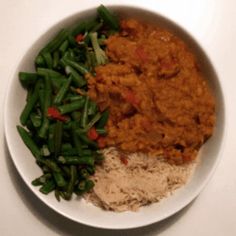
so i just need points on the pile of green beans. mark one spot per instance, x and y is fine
(56, 118)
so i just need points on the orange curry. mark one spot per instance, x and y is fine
(159, 102)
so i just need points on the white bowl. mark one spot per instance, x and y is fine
(79, 210)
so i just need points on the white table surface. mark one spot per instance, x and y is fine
(213, 23)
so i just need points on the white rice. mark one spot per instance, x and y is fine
(119, 187)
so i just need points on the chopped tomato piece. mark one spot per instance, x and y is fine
(141, 54)
(124, 160)
(147, 125)
(101, 142)
(131, 98)
(92, 134)
(186, 158)
(79, 38)
(55, 114)
(169, 67)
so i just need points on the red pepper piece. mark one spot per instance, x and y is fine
(55, 114)
(101, 142)
(92, 134)
(79, 38)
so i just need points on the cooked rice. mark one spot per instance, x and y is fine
(144, 180)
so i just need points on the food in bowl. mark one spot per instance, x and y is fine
(145, 84)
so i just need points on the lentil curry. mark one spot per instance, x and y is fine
(159, 102)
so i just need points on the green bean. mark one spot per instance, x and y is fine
(39, 61)
(52, 165)
(78, 80)
(73, 106)
(66, 135)
(47, 102)
(84, 173)
(56, 42)
(48, 187)
(109, 18)
(57, 82)
(69, 152)
(86, 152)
(66, 146)
(74, 152)
(29, 125)
(62, 92)
(64, 46)
(58, 130)
(91, 59)
(28, 79)
(66, 170)
(91, 24)
(41, 98)
(36, 119)
(79, 67)
(103, 120)
(30, 105)
(76, 115)
(41, 180)
(59, 179)
(81, 185)
(48, 59)
(89, 185)
(36, 182)
(84, 186)
(90, 169)
(84, 116)
(70, 54)
(67, 125)
(73, 97)
(71, 185)
(44, 128)
(86, 140)
(57, 195)
(76, 140)
(30, 92)
(51, 144)
(48, 72)
(93, 121)
(78, 129)
(101, 131)
(29, 142)
(75, 160)
(56, 59)
(62, 194)
(96, 27)
(92, 109)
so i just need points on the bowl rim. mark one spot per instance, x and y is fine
(198, 189)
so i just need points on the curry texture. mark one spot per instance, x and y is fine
(159, 102)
